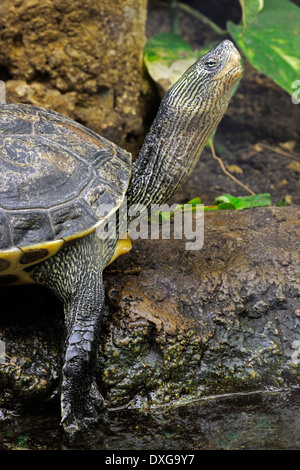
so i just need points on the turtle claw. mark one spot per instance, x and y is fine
(80, 412)
(81, 401)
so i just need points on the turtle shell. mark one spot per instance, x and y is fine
(55, 176)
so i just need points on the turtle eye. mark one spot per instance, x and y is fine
(211, 63)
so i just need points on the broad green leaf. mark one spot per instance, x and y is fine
(166, 57)
(271, 42)
(250, 8)
(166, 48)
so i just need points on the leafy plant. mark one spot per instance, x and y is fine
(267, 34)
(223, 202)
(270, 39)
(167, 56)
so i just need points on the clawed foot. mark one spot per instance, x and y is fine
(80, 411)
(81, 401)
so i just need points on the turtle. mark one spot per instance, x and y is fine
(62, 184)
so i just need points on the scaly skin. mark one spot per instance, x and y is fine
(189, 113)
(75, 276)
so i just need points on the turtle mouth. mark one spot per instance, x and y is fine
(233, 66)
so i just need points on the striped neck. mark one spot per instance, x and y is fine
(189, 112)
(168, 156)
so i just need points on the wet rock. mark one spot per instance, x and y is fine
(31, 328)
(178, 323)
(220, 319)
(83, 59)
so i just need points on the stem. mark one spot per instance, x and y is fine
(212, 148)
(200, 16)
(174, 16)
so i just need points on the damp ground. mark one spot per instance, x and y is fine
(253, 421)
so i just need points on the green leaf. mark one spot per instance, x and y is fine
(271, 41)
(283, 202)
(225, 201)
(250, 8)
(165, 48)
(167, 56)
(245, 202)
(195, 201)
(22, 440)
(225, 206)
(190, 206)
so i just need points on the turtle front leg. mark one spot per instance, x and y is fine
(75, 276)
(81, 401)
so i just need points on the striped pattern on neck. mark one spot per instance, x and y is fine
(189, 112)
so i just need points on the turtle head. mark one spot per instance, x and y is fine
(206, 87)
